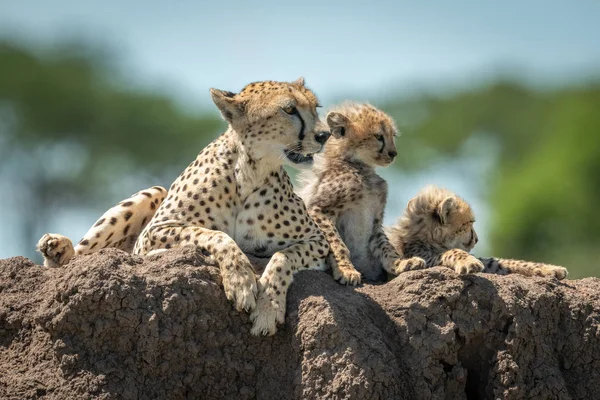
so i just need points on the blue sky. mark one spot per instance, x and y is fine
(345, 49)
(372, 49)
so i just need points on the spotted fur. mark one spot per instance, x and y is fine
(437, 226)
(118, 227)
(236, 198)
(347, 198)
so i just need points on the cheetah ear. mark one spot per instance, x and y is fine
(230, 107)
(299, 82)
(338, 123)
(444, 209)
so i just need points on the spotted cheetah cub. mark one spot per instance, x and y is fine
(346, 197)
(437, 226)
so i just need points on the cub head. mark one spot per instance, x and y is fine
(440, 218)
(362, 132)
(275, 121)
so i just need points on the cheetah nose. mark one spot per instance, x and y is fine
(322, 137)
(392, 153)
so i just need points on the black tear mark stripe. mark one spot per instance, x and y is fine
(302, 126)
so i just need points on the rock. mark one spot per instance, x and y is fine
(115, 326)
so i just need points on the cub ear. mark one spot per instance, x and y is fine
(299, 82)
(444, 209)
(230, 107)
(338, 123)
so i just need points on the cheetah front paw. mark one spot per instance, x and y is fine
(239, 283)
(468, 265)
(346, 275)
(267, 314)
(559, 273)
(408, 264)
(56, 249)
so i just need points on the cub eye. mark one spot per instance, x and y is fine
(290, 109)
(379, 137)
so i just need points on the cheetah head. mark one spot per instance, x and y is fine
(441, 218)
(276, 122)
(363, 132)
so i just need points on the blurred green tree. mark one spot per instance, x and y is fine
(71, 129)
(545, 186)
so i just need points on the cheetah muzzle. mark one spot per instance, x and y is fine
(299, 158)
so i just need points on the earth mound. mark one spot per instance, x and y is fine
(116, 326)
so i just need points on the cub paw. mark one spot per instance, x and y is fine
(469, 265)
(239, 283)
(560, 273)
(56, 249)
(267, 315)
(557, 272)
(408, 264)
(347, 275)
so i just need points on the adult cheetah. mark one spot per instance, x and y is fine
(235, 197)
(347, 198)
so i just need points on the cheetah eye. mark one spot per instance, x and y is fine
(290, 109)
(379, 137)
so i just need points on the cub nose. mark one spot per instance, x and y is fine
(392, 153)
(322, 137)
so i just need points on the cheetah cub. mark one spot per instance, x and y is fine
(437, 226)
(346, 197)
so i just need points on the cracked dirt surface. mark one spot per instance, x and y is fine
(116, 326)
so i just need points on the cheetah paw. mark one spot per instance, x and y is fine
(408, 264)
(469, 265)
(239, 283)
(56, 249)
(347, 275)
(557, 272)
(266, 316)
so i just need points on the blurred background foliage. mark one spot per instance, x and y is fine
(76, 136)
(71, 134)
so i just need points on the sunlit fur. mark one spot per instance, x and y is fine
(362, 125)
(437, 226)
(439, 218)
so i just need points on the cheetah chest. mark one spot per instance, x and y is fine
(270, 220)
(355, 226)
